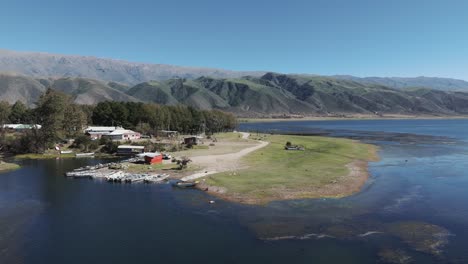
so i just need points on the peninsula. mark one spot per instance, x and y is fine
(265, 171)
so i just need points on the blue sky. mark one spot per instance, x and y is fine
(363, 38)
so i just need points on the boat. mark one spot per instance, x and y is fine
(66, 152)
(148, 154)
(155, 178)
(184, 184)
(89, 154)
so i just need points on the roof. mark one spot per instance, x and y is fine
(101, 128)
(97, 132)
(121, 132)
(130, 146)
(21, 126)
(149, 154)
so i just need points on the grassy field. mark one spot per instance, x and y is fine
(5, 166)
(274, 173)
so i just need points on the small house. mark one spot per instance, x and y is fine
(169, 133)
(154, 158)
(193, 140)
(129, 150)
(96, 132)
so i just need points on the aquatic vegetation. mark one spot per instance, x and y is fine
(406, 199)
(421, 236)
(396, 256)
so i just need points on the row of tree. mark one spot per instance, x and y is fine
(60, 119)
(151, 118)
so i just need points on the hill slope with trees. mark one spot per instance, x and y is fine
(269, 95)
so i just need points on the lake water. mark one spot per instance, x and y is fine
(413, 208)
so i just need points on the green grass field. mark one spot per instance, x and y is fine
(273, 172)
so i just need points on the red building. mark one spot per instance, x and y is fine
(154, 158)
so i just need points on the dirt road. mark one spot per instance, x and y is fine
(225, 162)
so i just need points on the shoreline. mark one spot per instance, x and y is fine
(353, 183)
(336, 186)
(7, 166)
(350, 117)
(35, 156)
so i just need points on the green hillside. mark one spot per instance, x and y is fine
(270, 94)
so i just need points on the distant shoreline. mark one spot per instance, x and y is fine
(348, 117)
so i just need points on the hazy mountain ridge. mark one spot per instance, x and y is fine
(14, 87)
(41, 65)
(444, 84)
(123, 73)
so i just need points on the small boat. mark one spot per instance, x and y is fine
(155, 178)
(66, 152)
(184, 184)
(90, 154)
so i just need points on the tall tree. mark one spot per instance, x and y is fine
(75, 121)
(5, 110)
(19, 113)
(50, 112)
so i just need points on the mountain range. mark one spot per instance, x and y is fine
(39, 65)
(250, 94)
(444, 84)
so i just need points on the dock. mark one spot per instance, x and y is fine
(109, 173)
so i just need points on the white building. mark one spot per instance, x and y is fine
(123, 134)
(114, 133)
(19, 127)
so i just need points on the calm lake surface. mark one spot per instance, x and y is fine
(413, 208)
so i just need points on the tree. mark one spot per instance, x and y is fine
(19, 113)
(143, 128)
(82, 141)
(102, 114)
(50, 112)
(5, 110)
(75, 121)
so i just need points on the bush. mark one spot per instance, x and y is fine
(110, 147)
(82, 142)
(93, 145)
(183, 163)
